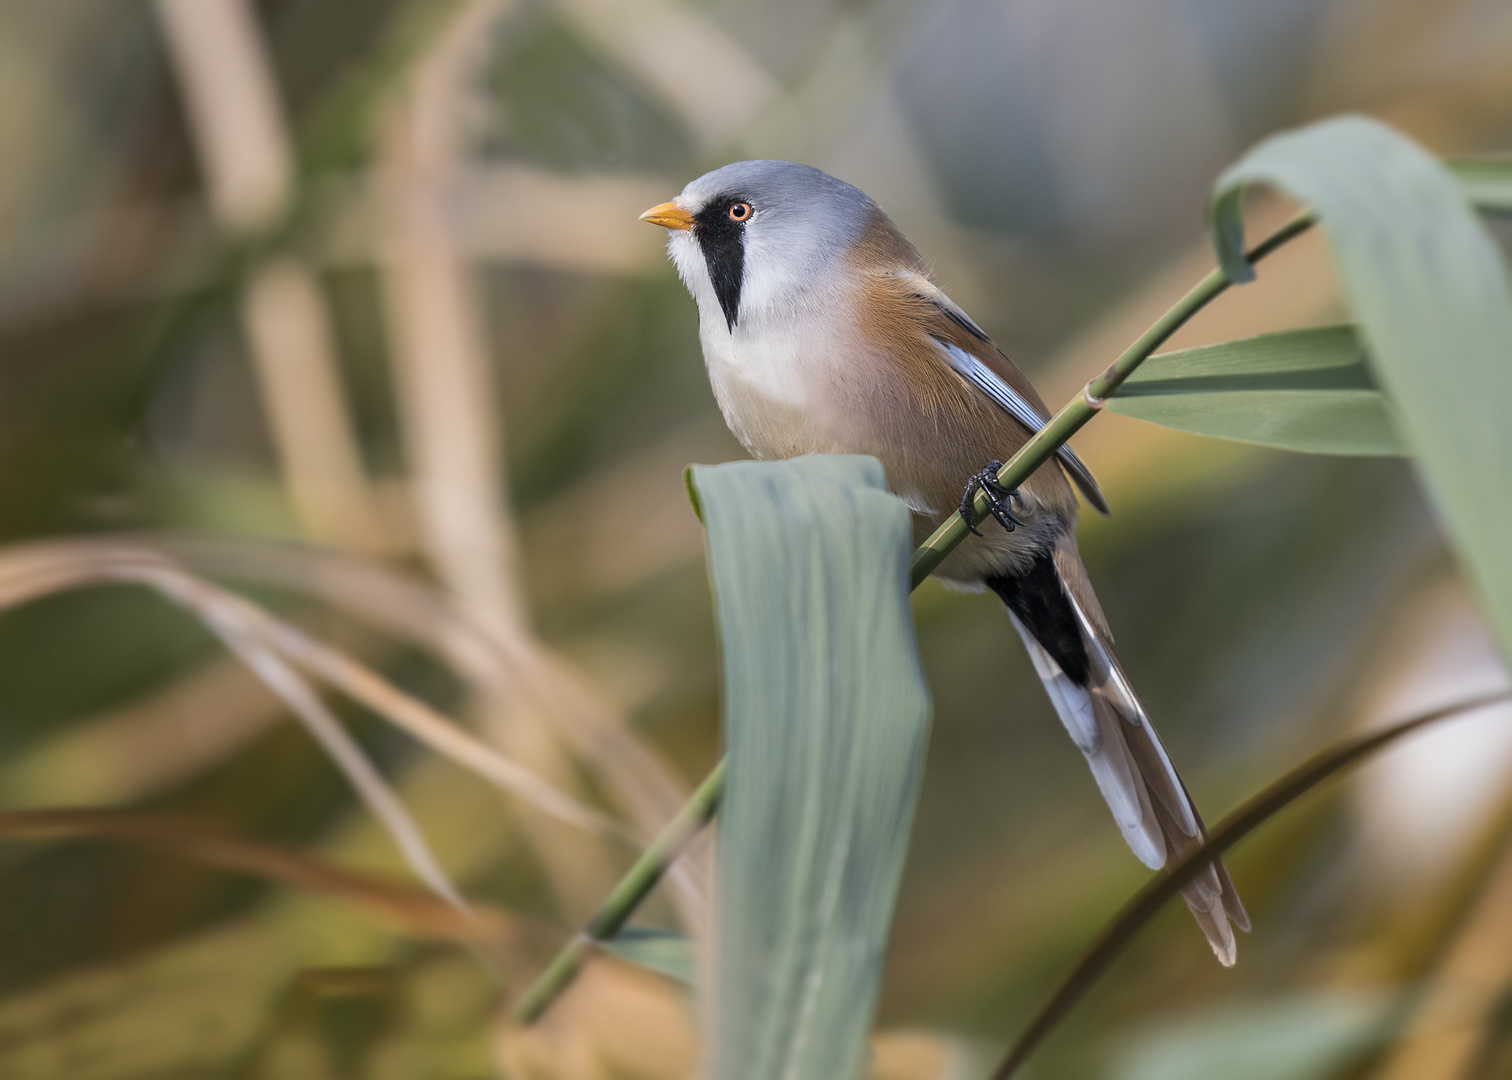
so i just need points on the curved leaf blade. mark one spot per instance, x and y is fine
(825, 717)
(665, 952)
(1430, 296)
(1306, 390)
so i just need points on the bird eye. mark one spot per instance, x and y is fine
(740, 211)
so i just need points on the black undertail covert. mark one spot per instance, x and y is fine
(1039, 600)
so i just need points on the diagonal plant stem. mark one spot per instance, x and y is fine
(1140, 910)
(647, 871)
(1042, 446)
(632, 889)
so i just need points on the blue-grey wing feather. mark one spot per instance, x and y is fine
(1006, 398)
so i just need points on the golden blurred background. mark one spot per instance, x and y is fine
(341, 390)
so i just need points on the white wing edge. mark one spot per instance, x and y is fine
(1010, 401)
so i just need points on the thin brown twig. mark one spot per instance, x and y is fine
(1126, 925)
(412, 910)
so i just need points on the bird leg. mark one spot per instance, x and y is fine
(1001, 507)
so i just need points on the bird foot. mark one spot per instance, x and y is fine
(1001, 507)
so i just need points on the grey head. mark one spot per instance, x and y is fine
(761, 234)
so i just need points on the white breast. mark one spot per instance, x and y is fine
(772, 379)
(775, 373)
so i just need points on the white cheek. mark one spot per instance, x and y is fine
(682, 249)
(688, 258)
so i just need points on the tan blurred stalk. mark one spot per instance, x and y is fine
(684, 57)
(1448, 1026)
(244, 153)
(449, 412)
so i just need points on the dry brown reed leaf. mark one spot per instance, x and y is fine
(412, 911)
(242, 629)
(265, 643)
(245, 630)
(514, 663)
(245, 154)
(435, 730)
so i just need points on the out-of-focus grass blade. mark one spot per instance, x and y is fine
(1301, 1038)
(825, 715)
(1308, 390)
(1430, 297)
(1486, 182)
(665, 952)
(414, 911)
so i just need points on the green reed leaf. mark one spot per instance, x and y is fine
(1308, 390)
(825, 718)
(1430, 296)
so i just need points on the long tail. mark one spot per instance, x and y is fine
(1106, 721)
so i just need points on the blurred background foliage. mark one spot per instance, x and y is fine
(344, 305)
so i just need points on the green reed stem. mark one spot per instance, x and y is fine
(648, 869)
(626, 897)
(1042, 446)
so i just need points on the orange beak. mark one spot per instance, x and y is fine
(668, 216)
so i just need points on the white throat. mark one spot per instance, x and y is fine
(771, 370)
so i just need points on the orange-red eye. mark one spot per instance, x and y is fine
(740, 211)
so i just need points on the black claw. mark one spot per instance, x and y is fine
(1001, 507)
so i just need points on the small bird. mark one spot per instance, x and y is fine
(824, 333)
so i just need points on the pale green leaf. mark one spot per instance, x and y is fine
(1430, 297)
(1302, 1038)
(665, 952)
(1308, 390)
(825, 715)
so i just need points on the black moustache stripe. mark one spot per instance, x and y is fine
(723, 244)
